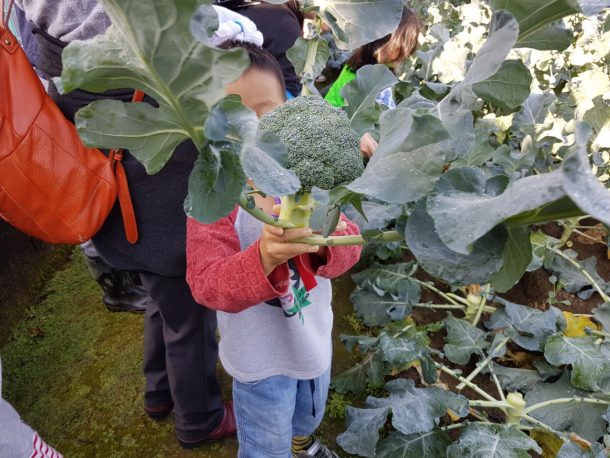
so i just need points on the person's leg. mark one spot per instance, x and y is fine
(122, 293)
(309, 411)
(157, 397)
(191, 351)
(264, 411)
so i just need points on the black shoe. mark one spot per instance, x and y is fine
(122, 293)
(158, 413)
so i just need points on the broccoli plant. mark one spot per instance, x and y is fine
(323, 151)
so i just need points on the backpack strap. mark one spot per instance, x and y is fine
(127, 212)
(4, 19)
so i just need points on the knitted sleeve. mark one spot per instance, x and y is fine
(339, 259)
(223, 277)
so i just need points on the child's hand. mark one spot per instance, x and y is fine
(276, 246)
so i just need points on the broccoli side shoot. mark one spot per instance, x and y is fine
(323, 150)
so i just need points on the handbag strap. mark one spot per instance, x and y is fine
(5, 18)
(125, 202)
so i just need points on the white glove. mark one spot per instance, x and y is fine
(234, 26)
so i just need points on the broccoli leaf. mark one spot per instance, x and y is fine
(298, 57)
(161, 57)
(362, 432)
(417, 410)
(483, 441)
(590, 361)
(454, 268)
(602, 315)
(463, 340)
(508, 87)
(580, 184)
(513, 379)
(394, 279)
(368, 372)
(460, 199)
(409, 159)
(402, 350)
(517, 258)
(361, 96)
(528, 327)
(430, 444)
(376, 310)
(358, 22)
(583, 419)
(572, 450)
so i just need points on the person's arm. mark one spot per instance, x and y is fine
(223, 277)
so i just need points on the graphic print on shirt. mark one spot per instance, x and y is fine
(297, 298)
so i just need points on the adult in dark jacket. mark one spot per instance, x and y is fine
(180, 348)
(280, 25)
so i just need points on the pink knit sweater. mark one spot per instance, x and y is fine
(223, 277)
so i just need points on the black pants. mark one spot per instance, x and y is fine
(180, 355)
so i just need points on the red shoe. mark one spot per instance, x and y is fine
(226, 428)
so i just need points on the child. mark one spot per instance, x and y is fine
(274, 303)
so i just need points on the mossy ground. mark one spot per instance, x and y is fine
(73, 371)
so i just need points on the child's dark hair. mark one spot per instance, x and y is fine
(391, 48)
(260, 59)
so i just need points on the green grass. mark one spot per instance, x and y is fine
(73, 371)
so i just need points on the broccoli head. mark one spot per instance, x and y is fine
(323, 150)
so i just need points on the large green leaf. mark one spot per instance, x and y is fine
(368, 372)
(418, 410)
(572, 450)
(161, 57)
(508, 87)
(572, 279)
(602, 315)
(534, 15)
(463, 340)
(298, 57)
(514, 379)
(361, 96)
(583, 419)
(394, 279)
(455, 109)
(409, 158)
(357, 22)
(215, 184)
(528, 327)
(590, 361)
(579, 182)
(517, 258)
(455, 268)
(430, 444)
(376, 310)
(550, 37)
(460, 199)
(401, 350)
(483, 441)
(262, 153)
(362, 432)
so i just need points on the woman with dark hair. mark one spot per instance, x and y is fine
(389, 50)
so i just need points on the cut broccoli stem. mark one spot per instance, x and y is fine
(297, 209)
(343, 240)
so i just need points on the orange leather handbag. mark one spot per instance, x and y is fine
(51, 186)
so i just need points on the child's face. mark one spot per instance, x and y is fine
(260, 91)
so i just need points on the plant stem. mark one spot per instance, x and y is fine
(342, 240)
(593, 332)
(551, 402)
(484, 363)
(583, 272)
(468, 383)
(458, 298)
(439, 306)
(497, 383)
(490, 404)
(477, 317)
(434, 289)
(541, 425)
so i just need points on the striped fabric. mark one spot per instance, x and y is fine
(42, 450)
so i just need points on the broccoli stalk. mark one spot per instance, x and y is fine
(297, 209)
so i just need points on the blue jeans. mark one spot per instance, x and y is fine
(271, 411)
